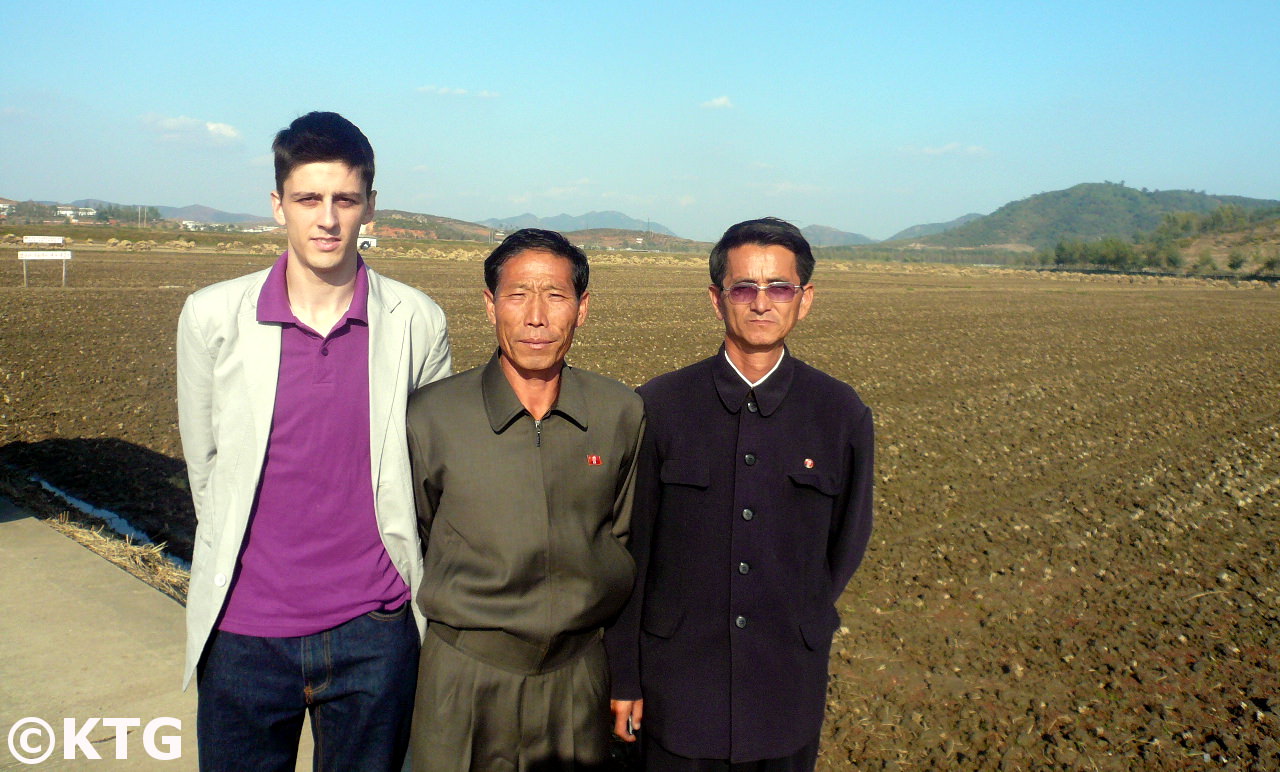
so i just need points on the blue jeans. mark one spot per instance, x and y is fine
(357, 680)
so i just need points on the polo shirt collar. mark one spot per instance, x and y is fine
(503, 407)
(273, 300)
(733, 390)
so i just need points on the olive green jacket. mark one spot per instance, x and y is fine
(524, 522)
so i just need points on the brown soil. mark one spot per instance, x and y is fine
(1078, 511)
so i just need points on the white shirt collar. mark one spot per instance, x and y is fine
(763, 378)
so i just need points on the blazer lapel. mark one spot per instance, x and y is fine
(386, 363)
(261, 350)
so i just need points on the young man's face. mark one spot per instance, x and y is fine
(322, 208)
(763, 324)
(535, 312)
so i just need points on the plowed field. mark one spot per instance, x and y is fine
(1078, 514)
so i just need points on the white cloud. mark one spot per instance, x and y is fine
(951, 148)
(686, 200)
(565, 190)
(191, 131)
(421, 169)
(450, 91)
(719, 103)
(784, 188)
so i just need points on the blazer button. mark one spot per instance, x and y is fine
(747, 514)
(744, 567)
(750, 458)
(220, 580)
(741, 622)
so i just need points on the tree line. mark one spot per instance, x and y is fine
(1162, 248)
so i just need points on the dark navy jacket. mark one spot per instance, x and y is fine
(752, 511)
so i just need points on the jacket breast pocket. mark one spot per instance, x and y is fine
(693, 473)
(826, 484)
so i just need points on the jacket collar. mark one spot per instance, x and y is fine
(733, 390)
(503, 407)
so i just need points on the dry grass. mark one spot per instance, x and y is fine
(145, 561)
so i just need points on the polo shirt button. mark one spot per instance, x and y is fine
(324, 352)
(750, 458)
(744, 567)
(741, 622)
(220, 580)
(747, 514)
(753, 407)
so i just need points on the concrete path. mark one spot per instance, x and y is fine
(83, 639)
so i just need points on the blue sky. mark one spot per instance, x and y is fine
(868, 117)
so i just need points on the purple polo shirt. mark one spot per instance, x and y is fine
(313, 558)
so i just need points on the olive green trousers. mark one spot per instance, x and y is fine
(489, 702)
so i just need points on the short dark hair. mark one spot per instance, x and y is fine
(540, 240)
(764, 231)
(321, 137)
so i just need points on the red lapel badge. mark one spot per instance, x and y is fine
(808, 463)
(594, 461)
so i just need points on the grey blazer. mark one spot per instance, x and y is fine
(227, 368)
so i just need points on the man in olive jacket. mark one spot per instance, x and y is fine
(523, 472)
(753, 509)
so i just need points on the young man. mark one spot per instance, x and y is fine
(753, 508)
(292, 386)
(523, 471)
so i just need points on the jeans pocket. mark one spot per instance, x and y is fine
(393, 615)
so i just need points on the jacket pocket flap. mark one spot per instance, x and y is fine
(823, 483)
(818, 632)
(662, 621)
(678, 471)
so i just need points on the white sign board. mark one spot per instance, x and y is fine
(43, 240)
(45, 254)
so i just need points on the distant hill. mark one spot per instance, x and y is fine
(823, 236)
(567, 223)
(929, 229)
(194, 212)
(397, 222)
(616, 238)
(1086, 212)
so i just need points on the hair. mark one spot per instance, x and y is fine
(765, 231)
(318, 138)
(536, 239)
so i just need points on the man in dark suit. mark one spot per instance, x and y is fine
(752, 511)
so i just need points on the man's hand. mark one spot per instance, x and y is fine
(626, 718)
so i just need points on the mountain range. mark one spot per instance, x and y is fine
(823, 236)
(920, 231)
(565, 223)
(1084, 212)
(194, 212)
